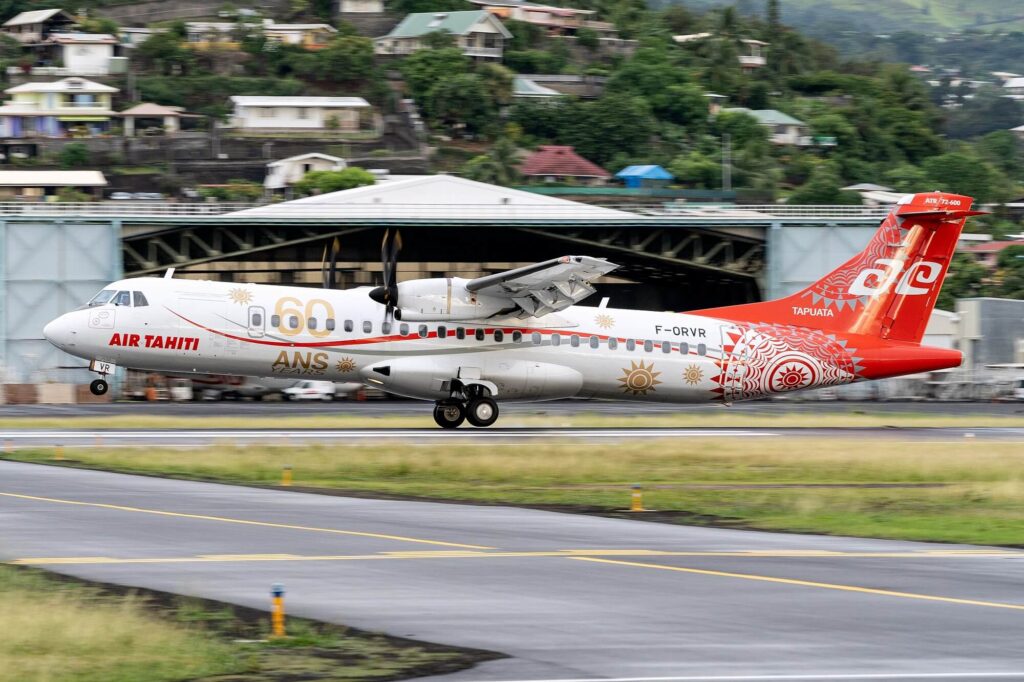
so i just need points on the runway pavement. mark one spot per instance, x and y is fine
(202, 437)
(565, 596)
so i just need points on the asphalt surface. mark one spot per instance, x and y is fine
(375, 408)
(28, 437)
(566, 597)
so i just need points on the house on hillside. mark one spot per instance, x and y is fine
(36, 25)
(1014, 88)
(71, 107)
(555, 20)
(76, 54)
(754, 52)
(783, 128)
(526, 88)
(478, 33)
(258, 112)
(360, 6)
(206, 34)
(987, 254)
(558, 163)
(132, 36)
(44, 185)
(648, 177)
(281, 175)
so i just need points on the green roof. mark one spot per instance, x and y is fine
(769, 117)
(456, 23)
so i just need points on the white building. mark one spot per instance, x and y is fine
(360, 6)
(478, 33)
(286, 172)
(1014, 88)
(75, 54)
(37, 25)
(256, 112)
(783, 128)
(37, 185)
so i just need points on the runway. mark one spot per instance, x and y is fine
(564, 596)
(362, 436)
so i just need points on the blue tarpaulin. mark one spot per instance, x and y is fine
(644, 176)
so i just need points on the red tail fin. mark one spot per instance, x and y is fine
(887, 290)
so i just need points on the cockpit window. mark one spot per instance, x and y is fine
(122, 298)
(101, 298)
(140, 299)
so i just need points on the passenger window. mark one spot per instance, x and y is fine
(574, 341)
(257, 320)
(556, 340)
(666, 346)
(630, 344)
(684, 348)
(536, 338)
(460, 333)
(293, 322)
(480, 333)
(595, 342)
(499, 335)
(702, 349)
(140, 299)
(442, 332)
(612, 343)
(385, 327)
(329, 323)
(648, 345)
(349, 325)
(424, 331)
(311, 322)
(367, 327)
(123, 298)
(275, 320)
(403, 329)
(517, 336)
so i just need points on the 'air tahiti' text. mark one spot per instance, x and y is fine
(155, 341)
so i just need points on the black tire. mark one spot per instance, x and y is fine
(449, 415)
(482, 412)
(99, 387)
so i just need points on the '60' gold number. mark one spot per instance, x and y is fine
(290, 307)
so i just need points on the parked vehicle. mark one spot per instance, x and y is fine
(309, 389)
(121, 196)
(148, 196)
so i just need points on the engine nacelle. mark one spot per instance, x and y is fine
(434, 377)
(444, 300)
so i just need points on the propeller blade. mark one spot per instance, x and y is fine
(332, 274)
(323, 269)
(384, 260)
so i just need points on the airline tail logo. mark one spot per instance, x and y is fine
(912, 281)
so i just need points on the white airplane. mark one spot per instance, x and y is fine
(518, 335)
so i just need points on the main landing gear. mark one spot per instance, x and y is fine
(480, 411)
(99, 387)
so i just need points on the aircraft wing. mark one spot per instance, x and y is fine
(545, 287)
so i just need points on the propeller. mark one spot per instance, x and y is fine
(329, 268)
(387, 295)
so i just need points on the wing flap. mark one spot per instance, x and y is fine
(545, 287)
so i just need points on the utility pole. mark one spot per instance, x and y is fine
(726, 163)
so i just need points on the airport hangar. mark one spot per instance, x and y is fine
(56, 256)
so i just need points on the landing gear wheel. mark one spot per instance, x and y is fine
(482, 412)
(99, 387)
(449, 415)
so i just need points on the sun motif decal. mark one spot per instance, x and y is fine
(639, 378)
(346, 365)
(692, 375)
(604, 321)
(791, 376)
(240, 296)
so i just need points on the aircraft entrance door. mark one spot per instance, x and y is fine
(257, 321)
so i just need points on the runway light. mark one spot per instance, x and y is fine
(277, 612)
(58, 453)
(636, 502)
(286, 476)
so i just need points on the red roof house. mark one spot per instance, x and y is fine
(557, 163)
(987, 253)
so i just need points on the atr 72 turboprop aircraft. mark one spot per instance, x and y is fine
(517, 335)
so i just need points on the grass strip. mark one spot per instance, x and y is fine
(419, 417)
(970, 491)
(60, 628)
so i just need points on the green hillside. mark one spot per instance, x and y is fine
(891, 15)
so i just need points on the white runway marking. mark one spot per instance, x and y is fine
(767, 678)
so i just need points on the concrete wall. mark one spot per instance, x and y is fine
(48, 268)
(991, 330)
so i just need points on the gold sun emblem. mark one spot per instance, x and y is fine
(346, 365)
(692, 375)
(240, 296)
(639, 379)
(604, 321)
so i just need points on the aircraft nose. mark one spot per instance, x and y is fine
(58, 331)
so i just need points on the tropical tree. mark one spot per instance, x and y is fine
(322, 182)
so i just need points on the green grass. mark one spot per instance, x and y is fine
(63, 629)
(970, 491)
(419, 416)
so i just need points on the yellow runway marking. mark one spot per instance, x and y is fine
(224, 519)
(466, 554)
(809, 583)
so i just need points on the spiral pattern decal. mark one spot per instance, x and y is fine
(762, 359)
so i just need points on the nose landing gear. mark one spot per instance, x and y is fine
(99, 387)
